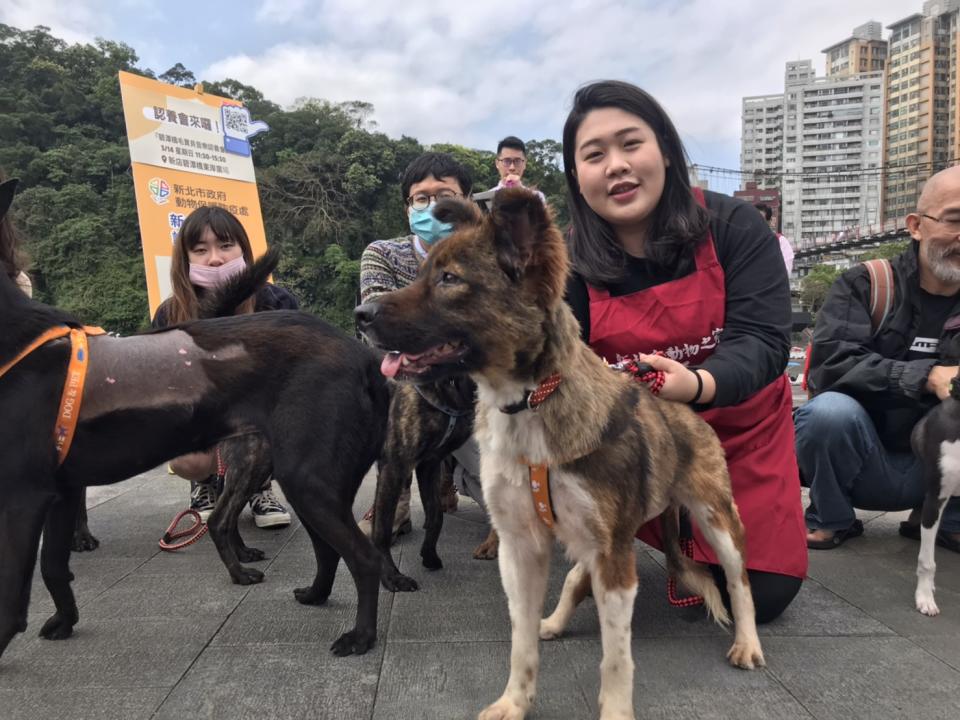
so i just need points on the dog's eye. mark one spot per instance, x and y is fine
(448, 278)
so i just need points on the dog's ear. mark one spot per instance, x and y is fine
(456, 212)
(528, 245)
(7, 190)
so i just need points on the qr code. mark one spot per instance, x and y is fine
(236, 120)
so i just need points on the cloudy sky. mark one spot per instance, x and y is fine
(472, 72)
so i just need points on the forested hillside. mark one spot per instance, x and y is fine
(329, 181)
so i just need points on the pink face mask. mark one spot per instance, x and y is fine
(206, 276)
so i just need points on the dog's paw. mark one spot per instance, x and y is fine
(746, 654)
(926, 604)
(398, 582)
(57, 627)
(487, 550)
(618, 715)
(84, 541)
(550, 630)
(431, 561)
(502, 709)
(249, 554)
(246, 576)
(354, 642)
(309, 596)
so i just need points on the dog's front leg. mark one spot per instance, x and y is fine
(524, 564)
(926, 564)
(614, 581)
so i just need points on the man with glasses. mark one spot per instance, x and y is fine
(872, 385)
(388, 265)
(511, 163)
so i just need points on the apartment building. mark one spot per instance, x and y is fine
(761, 146)
(865, 51)
(830, 139)
(922, 113)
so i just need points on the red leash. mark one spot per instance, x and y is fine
(198, 529)
(192, 533)
(686, 546)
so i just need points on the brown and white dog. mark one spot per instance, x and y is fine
(489, 302)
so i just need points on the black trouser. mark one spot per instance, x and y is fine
(772, 592)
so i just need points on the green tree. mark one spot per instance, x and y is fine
(815, 286)
(178, 75)
(887, 251)
(329, 181)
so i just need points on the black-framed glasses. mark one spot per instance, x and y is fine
(951, 225)
(421, 201)
(512, 162)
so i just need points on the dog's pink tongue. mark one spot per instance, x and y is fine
(391, 364)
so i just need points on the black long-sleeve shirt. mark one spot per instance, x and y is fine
(755, 342)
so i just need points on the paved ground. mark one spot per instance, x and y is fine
(168, 636)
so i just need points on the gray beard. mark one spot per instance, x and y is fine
(940, 266)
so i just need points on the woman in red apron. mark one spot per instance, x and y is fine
(698, 279)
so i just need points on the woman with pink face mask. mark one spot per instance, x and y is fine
(212, 247)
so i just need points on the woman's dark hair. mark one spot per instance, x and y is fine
(678, 224)
(439, 165)
(12, 258)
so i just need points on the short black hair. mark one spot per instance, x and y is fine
(439, 165)
(765, 210)
(512, 142)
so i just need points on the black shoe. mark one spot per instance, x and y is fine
(944, 539)
(838, 538)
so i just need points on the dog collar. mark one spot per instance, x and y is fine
(534, 398)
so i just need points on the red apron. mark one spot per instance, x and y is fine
(684, 320)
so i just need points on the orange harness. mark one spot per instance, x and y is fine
(72, 394)
(540, 490)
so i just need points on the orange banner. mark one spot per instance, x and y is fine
(178, 144)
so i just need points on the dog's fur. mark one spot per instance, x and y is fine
(418, 438)
(317, 396)
(936, 441)
(618, 455)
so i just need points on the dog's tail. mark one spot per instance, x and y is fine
(692, 577)
(225, 299)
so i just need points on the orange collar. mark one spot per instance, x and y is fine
(73, 386)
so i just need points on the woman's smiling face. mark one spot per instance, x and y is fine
(620, 168)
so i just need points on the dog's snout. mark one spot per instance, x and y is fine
(365, 314)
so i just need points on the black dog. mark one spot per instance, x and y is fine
(316, 395)
(426, 424)
(936, 441)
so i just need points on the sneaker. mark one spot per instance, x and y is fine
(203, 498)
(267, 510)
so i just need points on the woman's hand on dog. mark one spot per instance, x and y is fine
(680, 382)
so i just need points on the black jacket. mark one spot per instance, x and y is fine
(870, 366)
(269, 297)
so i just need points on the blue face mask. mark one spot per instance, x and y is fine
(426, 227)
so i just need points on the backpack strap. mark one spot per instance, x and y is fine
(881, 290)
(880, 275)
